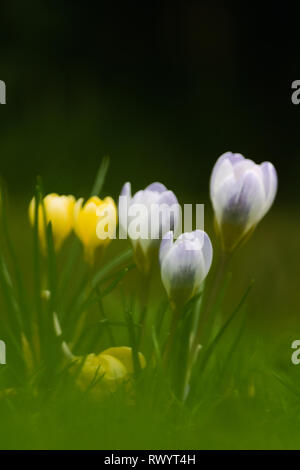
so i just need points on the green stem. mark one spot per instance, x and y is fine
(202, 333)
(212, 295)
(104, 317)
(144, 302)
(170, 340)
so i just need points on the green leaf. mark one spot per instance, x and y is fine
(222, 330)
(85, 293)
(25, 311)
(100, 178)
(121, 258)
(133, 342)
(76, 246)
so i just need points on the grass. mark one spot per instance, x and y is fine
(244, 391)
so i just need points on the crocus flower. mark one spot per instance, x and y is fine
(105, 372)
(184, 264)
(95, 223)
(58, 211)
(242, 192)
(145, 218)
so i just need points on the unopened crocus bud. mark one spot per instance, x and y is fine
(58, 211)
(125, 355)
(145, 218)
(95, 223)
(104, 373)
(185, 264)
(242, 192)
(100, 373)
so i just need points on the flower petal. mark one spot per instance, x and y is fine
(185, 265)
(223, 168)
(270, 181)
(126, 190)
(165, 246)
(156, 187)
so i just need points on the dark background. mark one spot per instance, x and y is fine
(163, 87)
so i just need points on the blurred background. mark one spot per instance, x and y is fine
(164, 88)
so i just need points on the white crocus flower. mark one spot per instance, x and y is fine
(184, 264)
(241, 192)
(145, 218)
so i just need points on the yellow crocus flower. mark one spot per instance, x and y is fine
(58, 211)
(104, 373)
(124, 355)
(95, 223)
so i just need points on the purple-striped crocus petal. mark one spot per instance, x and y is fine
(245, 206)
(224, 171)
(227, 190)
(156, 187)
(172, 219)
(241, 168)
(185, 264)
(199, 243)
(223, 167)
(123, 208)
(179, 269)
(270, 181)
(163, 212)
(126, 190)
(165, 246)
(138, 197)
(167, 197)
(232, 157)
(146, 202)
(241, 193)
(206, 248)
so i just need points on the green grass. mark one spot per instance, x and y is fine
(245, 395)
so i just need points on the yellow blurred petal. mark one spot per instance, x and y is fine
(87, 218)
(103, 372)
(58, 211)
(124, 355)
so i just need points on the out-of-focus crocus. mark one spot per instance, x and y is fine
(95, 223)
(105, 372)
(184, 265)
(58, 211)
(242, 192)
(145, 218)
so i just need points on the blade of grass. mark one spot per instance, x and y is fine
(119, 277)
(83, 297)
(25, 311)
(101, 175)
(9, 291)
(38, 322)
(52, 274)
(104, 317)
(76, 246)
(219, 335)
(121, 258)
(133, 342)
(13, 324)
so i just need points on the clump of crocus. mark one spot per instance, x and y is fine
(242, 192)
(58, 211)
(95, 223)
(145, 218)
(104, 373)
(185, 264)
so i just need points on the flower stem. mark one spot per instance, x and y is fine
(212, 296)
(144, 302)
(170, 340)
(202, 333)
